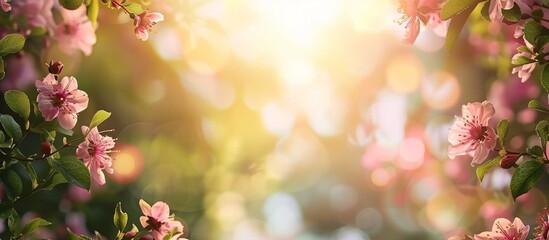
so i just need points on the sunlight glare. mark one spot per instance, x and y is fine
(299, 21)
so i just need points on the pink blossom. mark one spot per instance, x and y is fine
(6, 7)
(160, 221)
(144, 23)
(37, 13)
(75, 31)
(412, 30)
(504, 229)
(542, 230)
(439, 26)
(421, 11)
(524, 71)
(62, 100)
(20, 72)
(471, 134)
(496, 6)
(94, 151)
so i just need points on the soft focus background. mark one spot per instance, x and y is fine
(293, 119)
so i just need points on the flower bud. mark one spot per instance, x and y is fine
(45, 147)
(55, 68)
(130, 235)
(147, 237)
(509, 160)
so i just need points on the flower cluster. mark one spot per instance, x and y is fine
(527, 17)
(471, 133)
(27, 29)
(61, 99)
(416, 12)
(158, 219)
(94, 152)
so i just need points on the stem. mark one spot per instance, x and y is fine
(37, 189)
(24, 134)
(121, 6)
(538, 18)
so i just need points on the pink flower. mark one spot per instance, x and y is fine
(471, 134)
(144, 23)
(62, 100)
(542, 230)
(75, 31)
(37, 13)
(496, 6)
(159, 220)
(94, 151)
(6, 7)
(412, 30)
(503, 229)
(20, 72)
(420, 11)
(524, 71)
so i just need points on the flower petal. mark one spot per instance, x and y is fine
(486, 113)
(160, 211)
(460, 149)
(67, 120)
(479, 155)
(145, 207)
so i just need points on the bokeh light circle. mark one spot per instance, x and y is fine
(127, 164)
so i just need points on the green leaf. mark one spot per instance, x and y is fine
(521, 61)
(33, 225)
(542, 40)
(545, 77)
(485, 11)
(12, 128)
(170, 234)
(19, 103)
(99, 117)
(542, 130)
(455, 7)
(120, 218)
(93, 12)
(502, 130)
(45, 128)
(54, 181)
(482, 169)
(35, 109)
(455, 27)
(2, 71)
(67, 132)
(525, 49)
(538, 106)
(32, 173)
(536, 152)
(513, 14)
(6, 144)
(525, 177)
(2, 137)
(73, 170)
(13, 221)
(71, 4)
(133, 7)
(38, 31)
(532, 30)
(537, 13)
(11, 43)
(71, 235)
(13, 183)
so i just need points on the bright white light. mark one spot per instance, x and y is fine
(299, 21)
